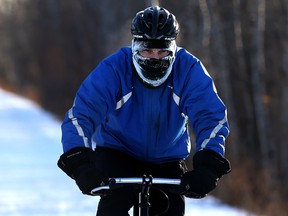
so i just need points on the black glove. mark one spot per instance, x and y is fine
(209, 166)
(78, 164)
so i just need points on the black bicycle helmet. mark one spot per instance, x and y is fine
(155, 23)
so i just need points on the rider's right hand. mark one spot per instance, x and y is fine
(78, 164)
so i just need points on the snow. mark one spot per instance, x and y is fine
(31, 184)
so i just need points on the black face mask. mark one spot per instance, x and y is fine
(154, 68)
(153, 71)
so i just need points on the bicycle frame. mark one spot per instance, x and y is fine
(145, 182)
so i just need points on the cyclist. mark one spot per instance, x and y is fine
(130, 115)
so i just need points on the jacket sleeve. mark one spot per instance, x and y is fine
(205, 110)
(94, 100)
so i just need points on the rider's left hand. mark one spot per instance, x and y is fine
(209, 166)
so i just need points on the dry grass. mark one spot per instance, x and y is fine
(253, 190)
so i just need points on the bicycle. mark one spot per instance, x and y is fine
(145, 183)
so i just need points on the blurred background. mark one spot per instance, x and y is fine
(47, 48)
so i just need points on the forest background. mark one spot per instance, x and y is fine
(47, 48)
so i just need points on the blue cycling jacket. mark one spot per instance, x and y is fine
(113, 109)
